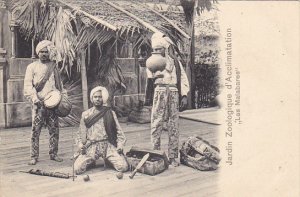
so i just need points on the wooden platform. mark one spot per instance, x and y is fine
(180, 181)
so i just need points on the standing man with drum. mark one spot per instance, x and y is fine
(41, 78)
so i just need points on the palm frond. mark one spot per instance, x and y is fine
(74, 91)
(189, 7)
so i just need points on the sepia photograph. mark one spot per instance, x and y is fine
(149, 98)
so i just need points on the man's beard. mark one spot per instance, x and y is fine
(44, 59)
(98, 104)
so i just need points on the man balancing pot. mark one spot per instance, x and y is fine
(170, 87)
(41, 79)
(100, 135)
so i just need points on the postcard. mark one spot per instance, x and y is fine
(149, 98)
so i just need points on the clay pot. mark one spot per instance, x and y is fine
(156, 62)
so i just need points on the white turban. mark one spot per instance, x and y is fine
(43, 44)
(104, 92)
(159, 40)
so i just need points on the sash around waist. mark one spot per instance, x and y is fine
(96, 141)
(166, 85)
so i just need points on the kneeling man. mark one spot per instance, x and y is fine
(100, 135)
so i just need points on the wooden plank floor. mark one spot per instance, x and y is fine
(180, 181)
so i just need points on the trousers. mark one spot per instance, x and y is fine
(44, 117)
(105, 150)
(165, 116)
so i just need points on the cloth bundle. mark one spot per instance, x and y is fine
(199, 154)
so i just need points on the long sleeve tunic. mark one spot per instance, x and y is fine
(97, 131)
(33, 75)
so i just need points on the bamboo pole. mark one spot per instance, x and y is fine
(13, 27)
(32, 48)
(84, 82)
(102, 22)
(168, 20)
(89, 53)
(192, 87)
(1, 30)
(142, 22)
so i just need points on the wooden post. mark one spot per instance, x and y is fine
(116, 47)
(13, 27)
(191, 66)
(84, 82)
(89, 53)
(32, 48)
(1, 18)
(192, 85)
(2, 50)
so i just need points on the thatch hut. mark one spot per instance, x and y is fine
(98, 42)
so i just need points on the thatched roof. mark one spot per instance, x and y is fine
(104, 11)
(73, 24)
(133, 16)
(2, 4)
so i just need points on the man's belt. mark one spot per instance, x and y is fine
(166, 85)
(87, 145)
(96, 141)
(90, 142)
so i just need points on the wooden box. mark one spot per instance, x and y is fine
(156, 163)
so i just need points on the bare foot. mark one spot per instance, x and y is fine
(173, 162)
(56, 158)
(32, 162)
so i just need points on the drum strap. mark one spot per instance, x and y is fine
(40, 85)
(57, 78)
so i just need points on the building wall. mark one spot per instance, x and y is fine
(14, 109)
(4, 48)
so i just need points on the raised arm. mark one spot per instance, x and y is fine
(185, 86)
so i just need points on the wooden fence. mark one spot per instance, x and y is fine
(206, 85)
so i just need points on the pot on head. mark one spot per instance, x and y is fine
(156, 62)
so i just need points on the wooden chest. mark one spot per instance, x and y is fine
(156, 163)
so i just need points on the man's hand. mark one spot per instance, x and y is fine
(147, 103)
(82, 148)
(158, 74)
(39, 103)
(183, 103)
(120, 150)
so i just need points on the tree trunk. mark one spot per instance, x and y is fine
(84, 82)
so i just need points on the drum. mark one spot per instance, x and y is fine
(52, 99)
(61, 104)
(64, 107)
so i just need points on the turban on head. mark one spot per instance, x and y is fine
(159, 40)
(104, 92)
(43, 44)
